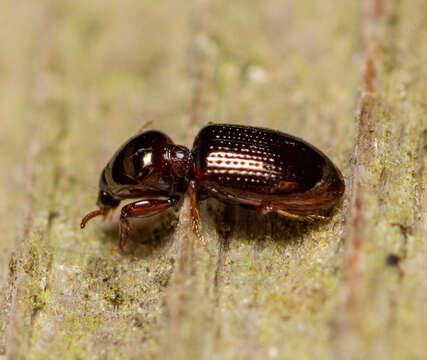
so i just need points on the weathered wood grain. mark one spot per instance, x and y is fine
(78, 78)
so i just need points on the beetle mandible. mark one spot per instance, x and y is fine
(259, 168)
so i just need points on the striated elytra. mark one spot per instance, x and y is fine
(259, 168)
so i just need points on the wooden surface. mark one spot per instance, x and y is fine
(79, 77)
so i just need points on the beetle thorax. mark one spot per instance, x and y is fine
(181, 161)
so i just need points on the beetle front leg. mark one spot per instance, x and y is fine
(141, 209)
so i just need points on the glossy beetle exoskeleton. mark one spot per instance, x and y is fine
(263, 169)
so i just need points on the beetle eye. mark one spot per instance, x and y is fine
(105, 200)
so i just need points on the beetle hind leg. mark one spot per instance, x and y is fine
(302, 217)
(272, 207)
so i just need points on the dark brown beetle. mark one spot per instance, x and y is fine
(263, 169)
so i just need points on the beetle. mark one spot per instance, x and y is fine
(259, 168)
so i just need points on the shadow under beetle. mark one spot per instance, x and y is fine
(263, 169)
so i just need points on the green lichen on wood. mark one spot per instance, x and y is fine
(91, 73)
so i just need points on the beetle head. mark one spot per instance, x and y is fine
(106, 200)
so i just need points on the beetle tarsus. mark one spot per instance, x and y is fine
(314, 217)
(302, 217)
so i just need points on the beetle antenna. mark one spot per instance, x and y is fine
(145, 125)
(91, 215)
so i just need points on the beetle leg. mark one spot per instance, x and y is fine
(141, 209)
(195, 220)
(304, 217)
(269, 207)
